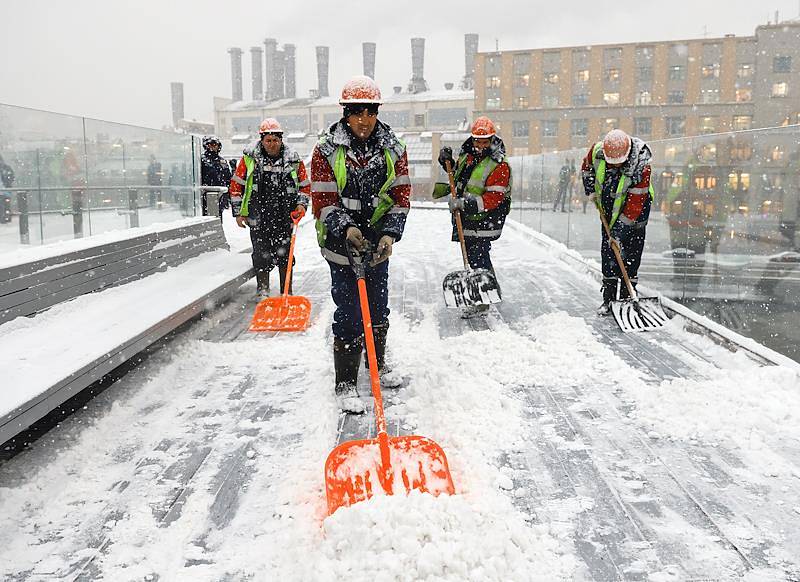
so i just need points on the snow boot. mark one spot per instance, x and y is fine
(262, 283)
(610, 291)
(389, 378)
(471, 311)
(346, 361)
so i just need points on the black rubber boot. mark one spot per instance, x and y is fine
(610, 293)
(346, 360)
(262, 283)
(389, 379)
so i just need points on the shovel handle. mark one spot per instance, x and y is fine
(613, 244)
(296, 216)
(457, 213)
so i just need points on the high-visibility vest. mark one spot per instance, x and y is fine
(621, 194)
(250, 164)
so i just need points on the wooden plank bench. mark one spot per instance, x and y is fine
(41, 370)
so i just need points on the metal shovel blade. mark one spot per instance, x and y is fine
(355, 470)
(290, 313)
(473, 287)
(648, 316)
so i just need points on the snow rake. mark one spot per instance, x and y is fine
(287, 312)
(636, 313)
(357, 470)
(469, 286)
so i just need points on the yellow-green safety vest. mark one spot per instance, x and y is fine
(621, 193)
(250, 164)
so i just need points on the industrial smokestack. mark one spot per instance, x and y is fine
(279, 77)
(368, 50)
(322, 71)
(470, 50)
(257, 73)
(291, 88)
(236, 73)
(417, 84)
(176, 89)
(270, 47)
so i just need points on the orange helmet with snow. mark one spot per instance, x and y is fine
(361, 89)
(616, 146)
(483, 128)
(270, 125)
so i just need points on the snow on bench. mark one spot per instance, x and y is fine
(150, 281)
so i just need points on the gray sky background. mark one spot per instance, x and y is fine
(114, 59)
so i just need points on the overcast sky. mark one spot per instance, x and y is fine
(114, 59)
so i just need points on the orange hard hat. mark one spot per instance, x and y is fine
(361, 89)
(270, 125)
(616, 146)
(483, 127)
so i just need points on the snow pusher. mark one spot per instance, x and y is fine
(469, 286)
(635, 313)
(357, 470)
(287, 312)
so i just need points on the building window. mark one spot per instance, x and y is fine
(643, 98)
(744, 95)
(522, 80)
(419, 120)
(782, 64)
(612, 75)
(521, 102)
(580, 99)
(580, 128)
(551, 78)
(675, 97)
(711, 71)
(493, 103)
(492, 82)
(709, 95)
(493, 65)
(708, 124)
(744, 71)
(520, 128)
(742, 122)
(780, 89)
(549, 100)
(582, 76)
(612, 54)
(679, 50)
(776, 154)
(675, 126)
(645, 73)
(642, 126)
(610, 123)
(611, 99)
(677, 73)
(522, 63)
(550, 128)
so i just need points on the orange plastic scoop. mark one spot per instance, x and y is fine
(287, 312)
(357, 470)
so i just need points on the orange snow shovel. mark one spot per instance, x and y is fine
(357, 470)
(287, 312)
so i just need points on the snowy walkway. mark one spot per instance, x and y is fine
(578, 453)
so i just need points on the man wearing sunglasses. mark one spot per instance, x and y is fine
(360, 193)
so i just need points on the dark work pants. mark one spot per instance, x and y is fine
(631, 239)
(270, 249)
(347, 323)
(478, 253)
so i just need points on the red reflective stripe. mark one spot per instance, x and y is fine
(237, 190)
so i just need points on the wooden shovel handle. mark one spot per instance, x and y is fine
(614, 247)
(457, 214)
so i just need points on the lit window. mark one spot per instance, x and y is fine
(742, 122)
(776, 154)
(744, 95)
(582, 76)
(780, 89)
(612, 75)
(551, 78)
(610, 123)
(708, 124)
(709, 96)
(611, 99)
(493, 103)
(745, 71)
(677, 73)
(493, 82)
(521, 102)
(643, 98)
(710, 71)
(522, 80)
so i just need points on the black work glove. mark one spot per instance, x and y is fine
(446, 155)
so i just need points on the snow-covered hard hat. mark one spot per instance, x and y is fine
(270, 125)
(360, 89)
(616, 146)
(209, 140)
(482, 128)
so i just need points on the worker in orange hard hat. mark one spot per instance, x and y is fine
(483, 189)
(270, 183)
(616, 176)
(360, 190)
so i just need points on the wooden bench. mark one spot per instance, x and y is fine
(40, 370)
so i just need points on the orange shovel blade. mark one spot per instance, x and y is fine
(354, 471)
(290, 313)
